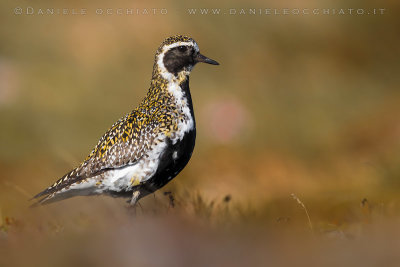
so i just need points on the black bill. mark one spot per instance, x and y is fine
(204, 59)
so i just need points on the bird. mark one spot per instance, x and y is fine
(149, 146)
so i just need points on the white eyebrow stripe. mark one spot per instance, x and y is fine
(167, 47)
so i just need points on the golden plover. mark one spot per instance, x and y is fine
(148, 147)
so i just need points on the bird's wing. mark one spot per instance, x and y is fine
(123, 144)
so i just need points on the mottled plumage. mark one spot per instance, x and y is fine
(148, 147)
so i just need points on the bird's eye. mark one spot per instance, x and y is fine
(182, 48)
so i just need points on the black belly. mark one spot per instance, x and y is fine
(170, 163)
(169, 166)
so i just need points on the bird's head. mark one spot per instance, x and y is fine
(178, 55)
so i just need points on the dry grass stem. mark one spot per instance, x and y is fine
(306, 211)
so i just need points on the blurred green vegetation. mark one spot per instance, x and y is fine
(300, 104)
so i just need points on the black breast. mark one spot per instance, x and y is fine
(175, 156)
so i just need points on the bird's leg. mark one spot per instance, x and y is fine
(133, 202)
(135, 198)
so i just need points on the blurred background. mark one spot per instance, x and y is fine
(301, 104)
